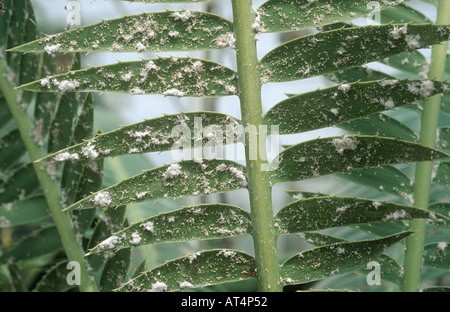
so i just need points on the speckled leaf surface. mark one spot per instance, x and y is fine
(330, 106)
(327, 52)
(157, 135)
(327, 212)
(390, 271)
(166, 76)
(342, 154)
(147, 32)
(187, 178)
(290, 15)
(201, 269)
(322, 262)
(186, 224)
(29, 210)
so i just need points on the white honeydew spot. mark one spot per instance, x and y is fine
(89, 151)
(173, 92)
(344, 144)
(172, 172)
(52, 49)
(102, 199)
(344, 88)
(66, 156)
(185, 284)
(441, 246)
(182, 16)
(135, 239)
(158, 287)
(227, 253)
(149, 226)
(109, 243)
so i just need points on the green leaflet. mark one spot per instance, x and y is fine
(179, 131)
(386, 179)
(18, 186)
(327, 107)
(320, 213)
(11, 149)
(382, 125)
(389, 268)
(187, 178)
(331, 51)
(436, 256)
(186, 224)
(167, 76)
(289, 15)
(43, 242)
(32, 209)
(55, 279)
(147, 32)
(319, 263)
(342, 154)
(442, 173)
(201, 269)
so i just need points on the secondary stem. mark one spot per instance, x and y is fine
(415, 242)
(62, 221)
(264, 236)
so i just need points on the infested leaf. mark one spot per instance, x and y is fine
(322, 262)
(187, 178)
(166, 76)
(320, 213)
(147, 32)
(160, 134)
(330, 106)
(332, 51)
(210, 267)
(290, 15)
(186, 224)
(342, 154)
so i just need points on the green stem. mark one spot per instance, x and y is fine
(264, 235)
(429, 124)
(52, 194)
